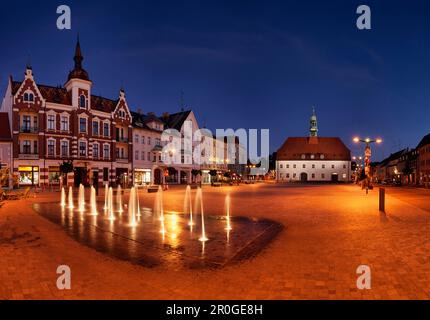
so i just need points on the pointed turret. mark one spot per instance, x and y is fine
(313, 130)
(78, 72)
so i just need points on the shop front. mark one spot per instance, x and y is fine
(206, 177)
(142, 177)
(54, 175)
(121, 177)
(28, 175)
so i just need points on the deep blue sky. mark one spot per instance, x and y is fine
(250, 64)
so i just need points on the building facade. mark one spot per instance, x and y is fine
(147, 149)
(423, 149)
(5, 152)
(313, 158)
(53, 124)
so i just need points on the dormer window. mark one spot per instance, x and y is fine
(28, 97)
(82, 102)
(121, 114)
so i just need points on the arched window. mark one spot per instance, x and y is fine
(82, 102)
(28, 96)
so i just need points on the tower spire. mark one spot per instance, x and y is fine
(313, 130)
(78, 71)
(78, 55)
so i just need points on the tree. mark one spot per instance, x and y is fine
(65, 168)
(213, 174)
(196, 172)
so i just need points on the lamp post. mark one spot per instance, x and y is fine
(367, 152)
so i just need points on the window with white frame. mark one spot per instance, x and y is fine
(106, 129)
(82, 102)
(136, 155)
(28, 96)
(82, 148)
(82, 125)
(64, 148)
(51, 147)
(96, 128)
(51, 122)
(95, 150)
(143, 139)
(143, 155)
(26, 147)
(106, 151)
(64, 123)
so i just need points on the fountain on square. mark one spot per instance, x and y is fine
(106, 197)
(132, 210)
(119, 199)
(81, 199)
(188, 207)
(199, 205)
(63, 197)
(123, 235)
(93, 202)
(159, 209)
(111, 215)
(70, 195)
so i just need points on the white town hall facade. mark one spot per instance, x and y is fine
(313, 158)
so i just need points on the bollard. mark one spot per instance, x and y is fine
(382, 199)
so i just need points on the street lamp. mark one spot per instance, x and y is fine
(367, 151)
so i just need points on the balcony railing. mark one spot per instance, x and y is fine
(122, 139)
(28, 155)
(26, 129)
(122, 159)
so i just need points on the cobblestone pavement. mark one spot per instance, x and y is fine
(330, 231)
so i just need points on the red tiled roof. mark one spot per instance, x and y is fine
(331, 148)
(60, 95)
(4, 127)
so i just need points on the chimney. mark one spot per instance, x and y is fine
(165, 115)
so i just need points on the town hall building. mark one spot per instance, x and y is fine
(313, 158)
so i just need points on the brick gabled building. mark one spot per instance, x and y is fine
(54, 124)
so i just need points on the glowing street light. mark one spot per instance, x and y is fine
(367, 151)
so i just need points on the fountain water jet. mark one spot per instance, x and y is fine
(138, 202)
(110, 205)
(63, 197)
(119, 199)
(81, 199)
(132, 207)
(188, 206)
(70, 195)
(227, 209)
(159, 204)
(199, 198)
(93, 202)
(106, 197)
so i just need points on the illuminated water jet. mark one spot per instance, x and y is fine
(93, 201)
(188, 207)
(119, 199)
(63, 197)
(132, 208)
(227, 215)
(81, 199)
(70, 195)
(199, 198)
(111, 215)
(106, 197)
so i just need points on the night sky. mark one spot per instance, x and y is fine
(242, 64)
